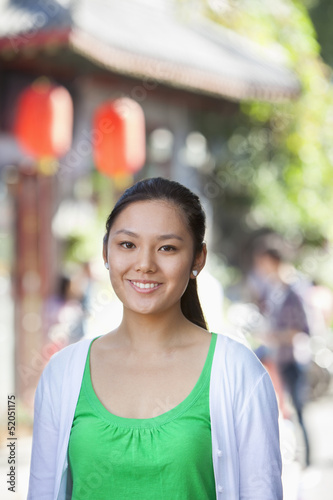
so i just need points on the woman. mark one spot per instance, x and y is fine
(160, 408)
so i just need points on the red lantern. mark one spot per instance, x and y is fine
(119, 137)
(44, 120)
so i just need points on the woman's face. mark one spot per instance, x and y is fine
(150, 254)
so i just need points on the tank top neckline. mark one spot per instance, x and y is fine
(161, 419)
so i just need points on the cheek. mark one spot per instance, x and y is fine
(179, 271)
(118, 261)
(118, 266)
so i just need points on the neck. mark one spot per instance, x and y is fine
(274, 278)
(153, 332)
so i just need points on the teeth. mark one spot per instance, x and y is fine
(144, 285)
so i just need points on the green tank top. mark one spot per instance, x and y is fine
(160, 458)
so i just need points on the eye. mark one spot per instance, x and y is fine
(168, 248)
(127, 244)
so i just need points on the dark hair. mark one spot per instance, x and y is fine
(64, 283)
(158, 188)
(273, 253)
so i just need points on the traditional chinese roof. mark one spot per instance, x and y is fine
(144, 39)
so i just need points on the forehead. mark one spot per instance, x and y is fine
(156, 216)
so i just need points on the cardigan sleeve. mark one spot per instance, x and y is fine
(55, 402)
(45, 439)
(257, 436)
(45, 436)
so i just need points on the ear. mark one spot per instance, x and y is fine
(199, 260)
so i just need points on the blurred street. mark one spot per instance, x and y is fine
(313, 483)
(316, 481)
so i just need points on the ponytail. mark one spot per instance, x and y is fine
(191, 307)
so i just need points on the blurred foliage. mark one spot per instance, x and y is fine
(85, 240)
(288, 146)
(275, 159)
(321, 12)
(95, 196)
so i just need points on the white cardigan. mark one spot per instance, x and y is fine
(244, 424)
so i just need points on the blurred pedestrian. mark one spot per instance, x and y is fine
(64, 314)
(286, 322)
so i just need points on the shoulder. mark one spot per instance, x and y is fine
(67, 354)
(66, 360)
(239, 375)
(61, 376)
(235, 354)
(236, 364)
(72, 350)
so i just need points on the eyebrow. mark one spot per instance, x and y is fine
(126, 231)
(169, 236)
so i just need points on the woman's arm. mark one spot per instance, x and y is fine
(45, 440)
(55, 403)
(257, 435)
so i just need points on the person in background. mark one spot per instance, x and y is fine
(64, 315)
(286, 321)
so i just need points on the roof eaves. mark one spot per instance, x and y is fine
(25, 41)
(176, 75)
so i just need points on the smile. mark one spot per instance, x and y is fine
(144, 286)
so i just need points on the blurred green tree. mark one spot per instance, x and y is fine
(274, 162)
(321, 13)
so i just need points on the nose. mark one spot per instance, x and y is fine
(145, 262)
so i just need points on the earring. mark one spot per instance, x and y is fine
(106, 265)
(195, 273)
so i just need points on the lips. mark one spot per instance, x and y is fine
(144, 286)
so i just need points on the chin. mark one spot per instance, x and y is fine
(148, 309)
